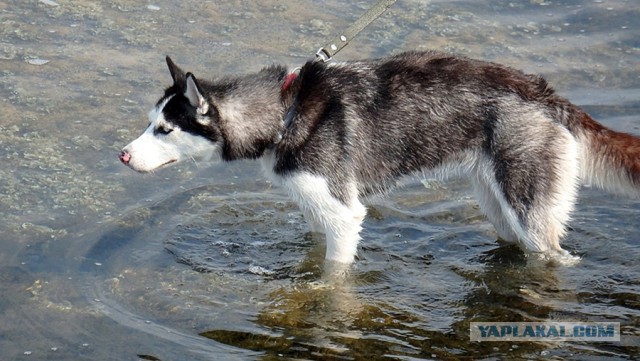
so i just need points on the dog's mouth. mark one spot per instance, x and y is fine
(160, 166)
(125, 158)
(167, 163)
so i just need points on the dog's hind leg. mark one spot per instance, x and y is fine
(534, 188)
(547, 217)
(340, 221)
(495, 205)
(492, 208)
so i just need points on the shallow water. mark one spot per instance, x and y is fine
(203, 262)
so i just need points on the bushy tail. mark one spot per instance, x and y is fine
(609, 159)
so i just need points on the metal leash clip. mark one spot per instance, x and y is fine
(326, 53)
(322, 56)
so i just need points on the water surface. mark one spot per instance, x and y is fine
(212, 262)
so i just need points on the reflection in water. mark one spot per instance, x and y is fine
(308, 320)
(334, 321)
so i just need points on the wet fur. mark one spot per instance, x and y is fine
(359, 126)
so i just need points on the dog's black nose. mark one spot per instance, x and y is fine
(125, 157)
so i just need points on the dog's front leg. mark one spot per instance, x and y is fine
(341, 222)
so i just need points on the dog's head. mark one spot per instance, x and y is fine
(182, 125)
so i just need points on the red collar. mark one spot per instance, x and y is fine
(289, 79)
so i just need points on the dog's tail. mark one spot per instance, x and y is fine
(608, 159)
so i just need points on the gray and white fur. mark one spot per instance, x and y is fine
(354, 128)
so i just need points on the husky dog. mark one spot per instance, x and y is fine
(335, 133)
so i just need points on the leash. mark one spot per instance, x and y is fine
(326, 53)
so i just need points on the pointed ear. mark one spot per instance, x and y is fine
(177, 74)
(194, 94)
